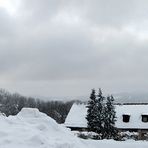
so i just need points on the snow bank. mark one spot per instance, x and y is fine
(33, 129)
(115, 144)
(31, 113)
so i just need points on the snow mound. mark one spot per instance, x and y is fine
(38, 119)
(31, 113)
(31, 128)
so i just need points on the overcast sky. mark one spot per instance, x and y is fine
(68, 47)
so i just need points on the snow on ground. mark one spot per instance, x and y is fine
(33, 129)
(115, 144)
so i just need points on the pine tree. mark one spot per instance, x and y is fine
(110, 132)
(101, 116)
(99, 120)
(95, 113)
(90, 111)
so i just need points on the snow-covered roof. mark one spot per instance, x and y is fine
(77, 114)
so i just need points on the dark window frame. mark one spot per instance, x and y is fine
(126, 118)
(144, 118)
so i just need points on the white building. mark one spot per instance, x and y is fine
(129, 117)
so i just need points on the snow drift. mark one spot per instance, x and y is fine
(33, 129)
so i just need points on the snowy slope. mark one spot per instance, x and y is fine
(33, 129)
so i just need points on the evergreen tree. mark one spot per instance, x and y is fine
(101, 115)
(99, 120)
(110, 132)
(90, 111)
(95, 113)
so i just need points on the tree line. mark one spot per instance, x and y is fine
(101, 115)
(11, 104)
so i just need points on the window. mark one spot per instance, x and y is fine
(144, 118)
(126, 118)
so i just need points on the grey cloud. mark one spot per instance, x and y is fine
(74, 45)
(7, 25)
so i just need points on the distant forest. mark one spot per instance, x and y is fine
(11, 104)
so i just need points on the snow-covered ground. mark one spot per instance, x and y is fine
(33, 129)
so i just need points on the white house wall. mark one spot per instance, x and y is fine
(77, 114)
